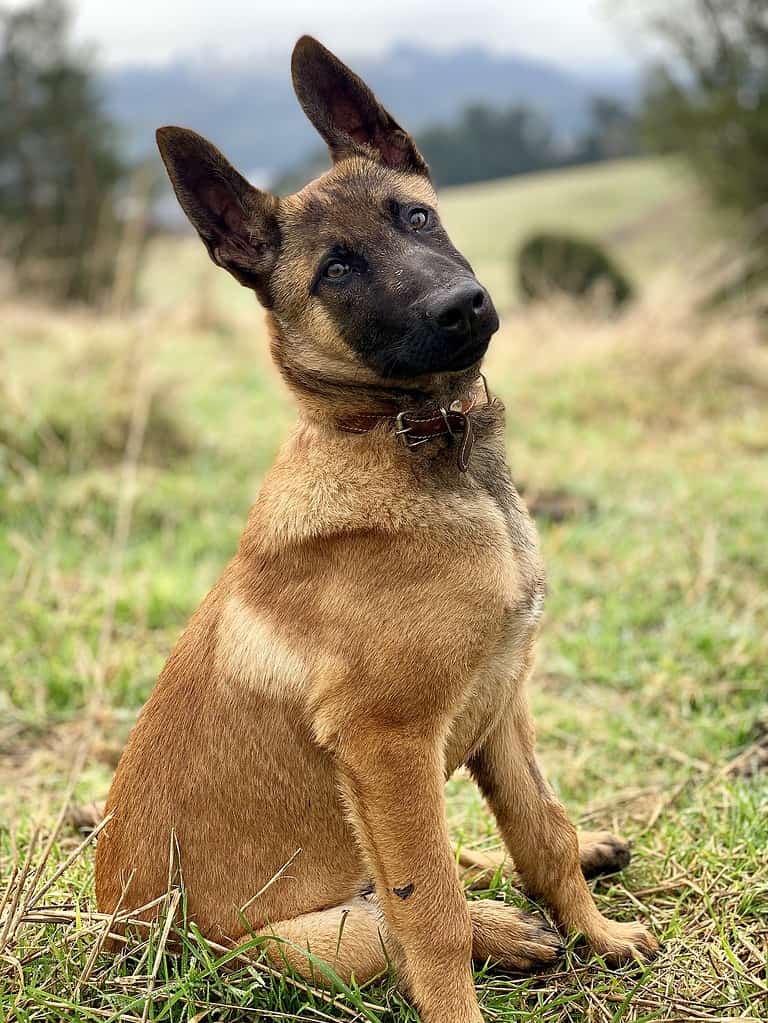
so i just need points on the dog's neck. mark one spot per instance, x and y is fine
(326, 396)
(332, 399)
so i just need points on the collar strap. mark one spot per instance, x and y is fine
(417, 427)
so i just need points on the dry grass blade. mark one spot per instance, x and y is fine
(137, 429)
(271, 881)
(11, 919)
(10, 887)
(16, 966)
(56, 829)
(173, 905)
(109, 1014)
(99, 943)
(36, 896)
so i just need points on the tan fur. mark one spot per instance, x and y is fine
(373, 632)
(250, 652)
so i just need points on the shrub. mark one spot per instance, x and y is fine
(559, 263)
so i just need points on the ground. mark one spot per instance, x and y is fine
(130, 449)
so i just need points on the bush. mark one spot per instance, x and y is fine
(560, 263)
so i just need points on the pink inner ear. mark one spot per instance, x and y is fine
(220, 200)
(346, 116)
(392, 153)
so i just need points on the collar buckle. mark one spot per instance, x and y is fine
(415, 428)
(404, 432)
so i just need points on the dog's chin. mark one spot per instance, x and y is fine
(465, 358)
(457, 361)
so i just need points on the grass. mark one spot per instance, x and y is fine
(129, 453)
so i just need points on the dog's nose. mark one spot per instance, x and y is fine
(458, 312)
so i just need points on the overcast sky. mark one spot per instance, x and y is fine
(578, 33)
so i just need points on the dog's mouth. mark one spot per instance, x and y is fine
(472, 351)
(422, 351)
(442, 359)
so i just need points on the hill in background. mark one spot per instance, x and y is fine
(251, 113)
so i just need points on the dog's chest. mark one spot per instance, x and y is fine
(499, 676)
(515, 605)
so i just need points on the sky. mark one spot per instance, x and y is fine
(576, 33)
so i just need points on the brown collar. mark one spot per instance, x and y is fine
(418, 426)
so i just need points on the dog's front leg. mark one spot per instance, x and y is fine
(541, 839)
(393, 783)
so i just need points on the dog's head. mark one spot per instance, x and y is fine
(360, 278)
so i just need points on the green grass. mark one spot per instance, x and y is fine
(652, 677)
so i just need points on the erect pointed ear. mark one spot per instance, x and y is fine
(236, 221)
(345, 111)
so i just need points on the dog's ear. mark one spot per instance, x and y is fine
(345, 111)
(236, 221)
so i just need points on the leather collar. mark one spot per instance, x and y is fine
(418, 426)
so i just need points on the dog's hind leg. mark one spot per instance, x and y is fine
(479, 870)
(511, 939)
(346, 938)
(351, 940)
(602, 852)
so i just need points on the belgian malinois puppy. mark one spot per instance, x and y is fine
(376, 627)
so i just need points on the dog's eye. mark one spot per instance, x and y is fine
(335, 270)
(418, 219)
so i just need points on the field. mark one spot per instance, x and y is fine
(130, 450)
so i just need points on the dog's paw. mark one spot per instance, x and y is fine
(513, 940)
(621, 943)
(602, 853)
(541, 946)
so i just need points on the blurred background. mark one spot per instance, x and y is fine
(604, 166)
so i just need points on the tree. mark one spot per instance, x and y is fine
(709, 98)
(59, 167)
(486, 143)
(613, 132)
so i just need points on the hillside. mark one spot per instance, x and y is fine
(252, 114)
(644, 209)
